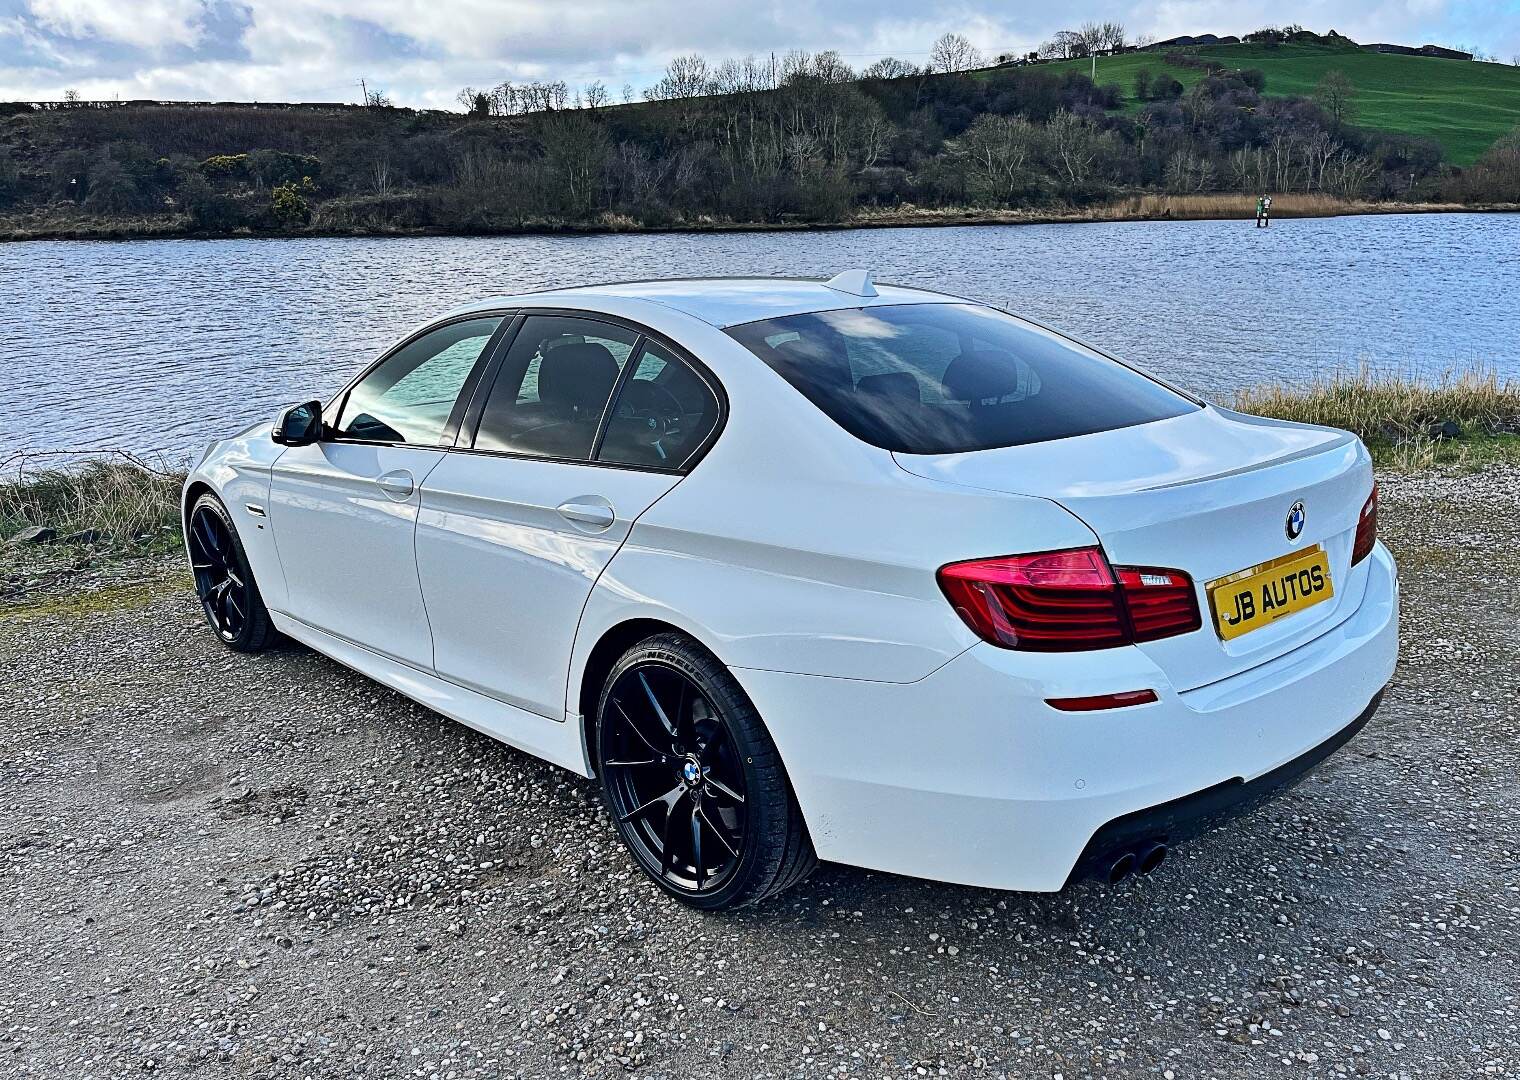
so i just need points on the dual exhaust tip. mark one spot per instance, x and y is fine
(1139, 860)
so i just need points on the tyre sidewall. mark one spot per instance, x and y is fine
(255, 628)
(763, 803)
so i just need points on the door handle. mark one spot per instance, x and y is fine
(397, 485)
(588, 512)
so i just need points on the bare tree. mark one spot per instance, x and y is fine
(627, 93)
(377, 99)
(1066, 45)
(889, 67)
(595, 95)
(475, 102)
(829, 67)
(999, 153)
(1074, 144)
(952, 52)
(380, 172)
(1091, 36)
(685, 77)
(1335, 94)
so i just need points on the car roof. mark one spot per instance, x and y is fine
(721, 302)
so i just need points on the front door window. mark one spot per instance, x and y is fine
(409, 398)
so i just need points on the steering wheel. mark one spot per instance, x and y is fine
(653, 412)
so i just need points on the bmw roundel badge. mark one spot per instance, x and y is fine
(1295, 525)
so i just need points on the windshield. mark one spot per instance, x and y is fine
(950, 378)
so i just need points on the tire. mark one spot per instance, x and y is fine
(224, 581)
(671, 779)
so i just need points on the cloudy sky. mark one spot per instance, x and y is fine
(421, 52)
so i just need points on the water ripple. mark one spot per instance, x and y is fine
(162, 345)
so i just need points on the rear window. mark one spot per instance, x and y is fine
(950, 378)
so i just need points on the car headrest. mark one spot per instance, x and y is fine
(898, 387)
(577, 375)
(987, 377)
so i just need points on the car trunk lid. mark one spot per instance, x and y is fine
(1208, 493)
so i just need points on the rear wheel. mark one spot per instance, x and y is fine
(694, 781)
(223, 580)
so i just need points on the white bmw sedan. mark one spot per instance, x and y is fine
(804, 570)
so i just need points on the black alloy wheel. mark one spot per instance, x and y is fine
(223, 581)
(693, 780)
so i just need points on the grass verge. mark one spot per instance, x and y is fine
(113, 499)
(1470, 416)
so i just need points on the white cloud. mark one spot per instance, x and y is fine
(147, 24)
(423, 51)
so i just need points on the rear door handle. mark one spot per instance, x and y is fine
(590, 513)
(397, 485)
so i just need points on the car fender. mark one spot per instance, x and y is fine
(237, 471)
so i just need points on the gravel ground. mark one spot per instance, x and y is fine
(214, 865)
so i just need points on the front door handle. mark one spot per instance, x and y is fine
(588, 512)
(397, 485)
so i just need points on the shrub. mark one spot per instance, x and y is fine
(270, 168)
(10, 177)
(1165, 88)
(289, 204)
(208, 210)
(225, 166)
(112, 189)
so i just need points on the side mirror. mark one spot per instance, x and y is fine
(298, 425)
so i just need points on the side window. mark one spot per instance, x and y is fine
(409, 397)
(553, 387)
(662, 414)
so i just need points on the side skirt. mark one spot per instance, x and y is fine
(559, 743)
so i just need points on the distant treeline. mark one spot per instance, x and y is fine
(810, 142)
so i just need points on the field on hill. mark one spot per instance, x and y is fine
(1463, 105)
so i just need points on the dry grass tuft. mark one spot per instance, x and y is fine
(1220, 207)
(125, 498)
(1390, 408)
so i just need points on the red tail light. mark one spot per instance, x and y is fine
(1065, 601)
(1366, 529)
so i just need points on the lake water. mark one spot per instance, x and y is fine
(163, 345)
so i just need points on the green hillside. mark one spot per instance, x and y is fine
(1463, 105)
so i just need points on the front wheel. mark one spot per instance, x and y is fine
(223, 579)
(693, 780)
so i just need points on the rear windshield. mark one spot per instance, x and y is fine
(949, 378)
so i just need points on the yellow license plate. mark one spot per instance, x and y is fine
(1252, 598)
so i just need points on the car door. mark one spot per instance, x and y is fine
(587, 423)
(343, 510)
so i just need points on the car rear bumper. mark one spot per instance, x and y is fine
(1182, 819)
(968, 776)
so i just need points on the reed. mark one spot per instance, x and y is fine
(1222, 207)
(1386, 406)
(126, 500)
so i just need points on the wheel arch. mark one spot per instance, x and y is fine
(193, 491)
(611, 644)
